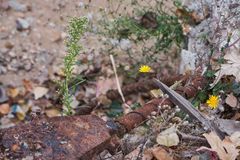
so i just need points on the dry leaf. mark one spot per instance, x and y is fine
(161, 154)
(231, 100)
(27, 85)
(90, 92)
(232, 67)
(13, 92)
(235, 138)
(102, 99)
(4, 109)
(147, 155)
(225, 149)
(168, 137)
(236, 116)
(134, 154)
(15, 147)
(104, 85)
(39, 92)
(156, 93)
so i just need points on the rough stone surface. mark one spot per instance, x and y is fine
(58, 138)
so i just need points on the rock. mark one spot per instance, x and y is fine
(18, 112)
(125, 44)
(13, 92)
(3, 70)
(55, 36)
(114, 42)
(14, 65)
(56, 138)
(15, 5)
(3, 96)
(40, 92)
(3, 34)
(12, 54)
(4, 6)
(188, 61)
(4, 109)
(22, 24)
(217, 35)
(3, 51)
(27, 65)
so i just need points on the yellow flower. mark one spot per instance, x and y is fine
(213, 102)
(145, 69)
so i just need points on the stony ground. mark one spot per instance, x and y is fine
(32, 37)
(32, 48)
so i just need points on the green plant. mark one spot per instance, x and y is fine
(75, 30)
(142, 30)
(165, 29)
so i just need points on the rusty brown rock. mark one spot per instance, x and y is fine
(58, 138)
(77, 137)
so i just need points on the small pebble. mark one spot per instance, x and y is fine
(22, 24)
(185, 123)
(63, 142)
(3, 96)
(14, 4)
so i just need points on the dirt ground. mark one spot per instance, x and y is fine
(32, 52)
(37, 51)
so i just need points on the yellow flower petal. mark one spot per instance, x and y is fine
(213, 102)
(145, 69)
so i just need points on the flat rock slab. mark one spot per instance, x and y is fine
(58, 138)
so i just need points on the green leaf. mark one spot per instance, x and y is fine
(210, 74)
